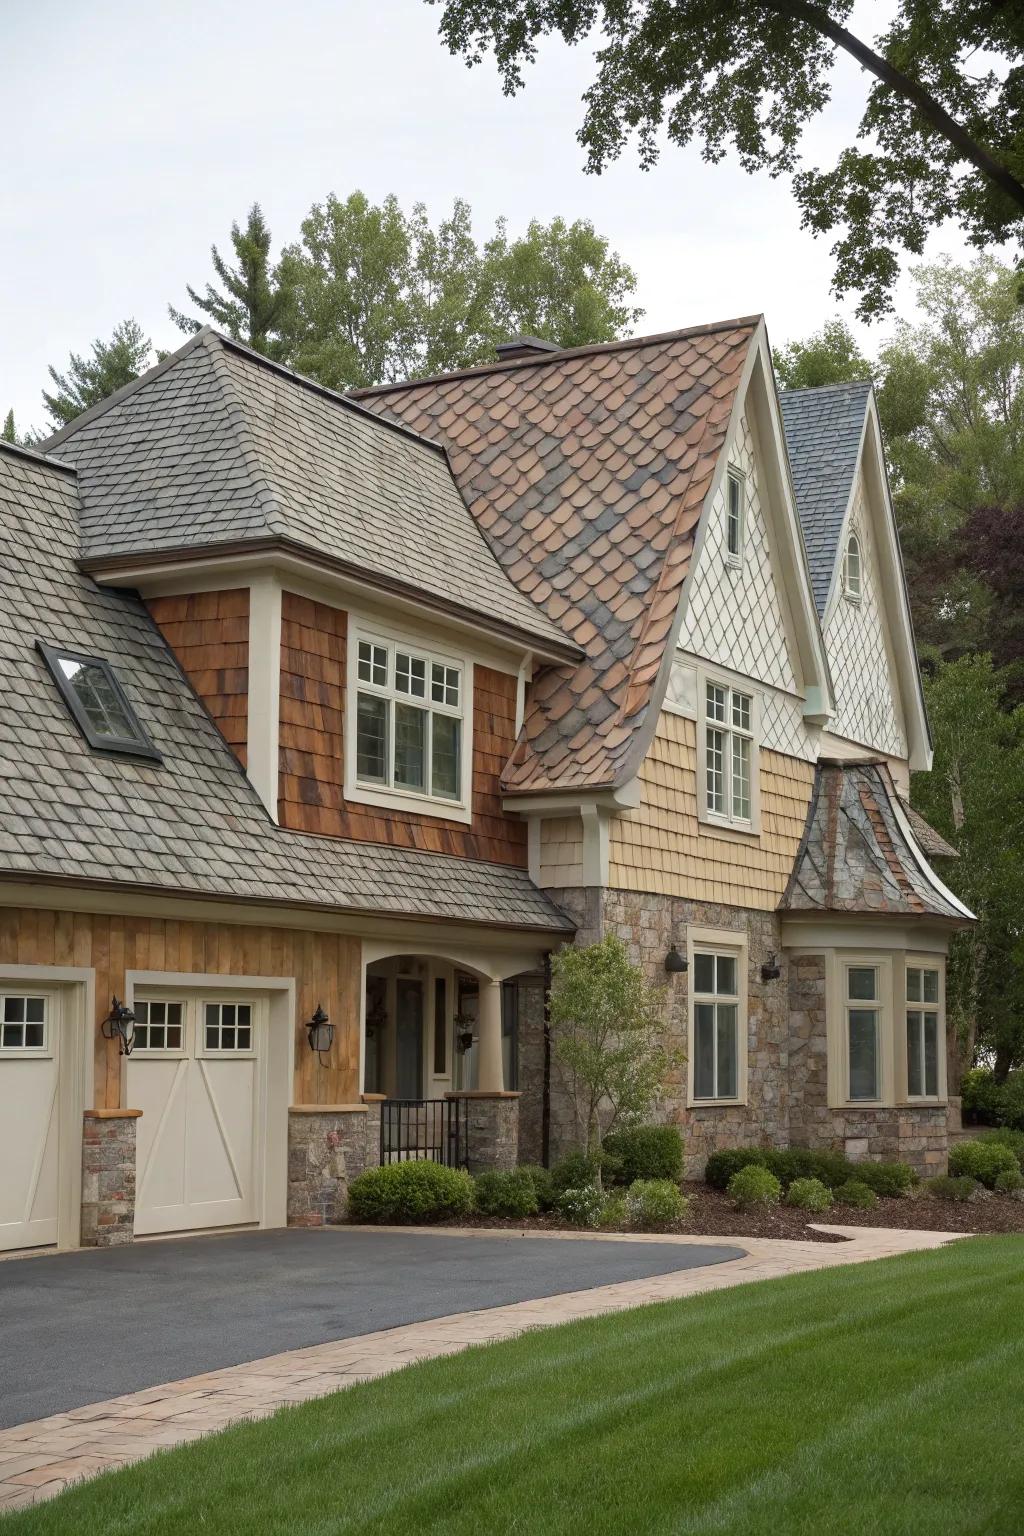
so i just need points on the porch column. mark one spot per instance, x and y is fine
(490, 1072)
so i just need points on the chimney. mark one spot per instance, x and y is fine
(524, 346)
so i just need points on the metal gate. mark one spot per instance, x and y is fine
(425, 1130)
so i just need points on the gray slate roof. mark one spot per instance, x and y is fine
(192, 825)
(823, 434)
(217, 445)
(855, 856)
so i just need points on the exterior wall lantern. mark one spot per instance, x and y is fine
(119, 1025)
(465, 1036)
(675, 963)
(772, 970)
(321, 1033)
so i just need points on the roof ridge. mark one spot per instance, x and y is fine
(132, 387)
(273, 515)
(547, 359)
(820, 389)
(22, 450)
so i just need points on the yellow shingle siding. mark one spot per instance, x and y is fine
(660, 848)
(561, 851)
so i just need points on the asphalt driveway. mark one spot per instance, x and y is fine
(77, 1328)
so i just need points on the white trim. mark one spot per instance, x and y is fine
(387, 797)
(725, 821)
(595, 845)
(274, 1074)
(77, 985)
(734, 942)
(264, 703)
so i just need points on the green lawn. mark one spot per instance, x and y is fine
(880, 1400)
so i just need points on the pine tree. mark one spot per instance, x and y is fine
(9, 435)
(89, 380)
(252, 306)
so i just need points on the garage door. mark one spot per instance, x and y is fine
(195, 1074)
(29, 1117)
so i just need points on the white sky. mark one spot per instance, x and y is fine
(134, 133)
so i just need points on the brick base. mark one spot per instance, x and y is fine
(328, 1147)
(492, 1130)
(108, 1178)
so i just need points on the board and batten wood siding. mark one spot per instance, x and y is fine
(327, 968)
(660, 848)
(209, 634)
(312, 765)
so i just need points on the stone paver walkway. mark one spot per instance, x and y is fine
(37, 1460)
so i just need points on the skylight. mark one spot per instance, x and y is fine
(98, 703)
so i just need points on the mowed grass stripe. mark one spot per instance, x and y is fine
(875, 1400)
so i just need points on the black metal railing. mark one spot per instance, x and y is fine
(425, 1130)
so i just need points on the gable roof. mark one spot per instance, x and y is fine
(824, 431)
(217, 447)
(860, 854)
(587, 470)
(192, 825)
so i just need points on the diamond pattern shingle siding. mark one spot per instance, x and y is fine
(217, 446)
(192, 824)
(587, 471)
(823, 434)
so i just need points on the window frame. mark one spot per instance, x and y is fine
(726, 821)
(51, 1023)
(924, 962)
(120, 746)
(734, 944)
(837, 963)
(400, 797)
(853, 594)
(735, 478)
(163, 1052)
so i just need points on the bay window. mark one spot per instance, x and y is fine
(863, 1014)
(886, 1028)
(408, 718)
(923, 1035)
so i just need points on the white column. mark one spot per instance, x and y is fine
(262, 740)
(490, 1074)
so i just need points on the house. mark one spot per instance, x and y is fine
(327, 719)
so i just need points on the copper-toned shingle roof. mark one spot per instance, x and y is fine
(861, 853)
(587, 471)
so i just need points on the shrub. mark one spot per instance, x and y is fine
(410, 1192)
(543, 1184)
(947, 1188)
(646, 1152)
(721, 1166)
(754, 1185)
(655, 1205)
(888, 1179)
(986, 1102)
(506, 1192)
(1009, 1181)
(1007, 1137)
(573, 1172)
(981, 1160)
(581, 1207)
(854, 1192)
(613, 1217)
(789, 1163)
(809, 1195)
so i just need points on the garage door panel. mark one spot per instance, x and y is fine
(29, 1120)
(160, 1090)
(222, 1104)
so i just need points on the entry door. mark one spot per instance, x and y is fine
(194, 1073)
(29, 1117)
(409, 1038)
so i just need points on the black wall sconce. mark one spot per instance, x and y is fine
(119, 1025)
(675, 963)
(321, 1033)
(772, 970)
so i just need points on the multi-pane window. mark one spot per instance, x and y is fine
(159, 1026)
(852, 572)
(22, 1023)
(728, 747)
(734, 516)
(228, 1026)
(409, 711)
(97, 702)
(716, 1014)
(862, 1010)
(922, 1032)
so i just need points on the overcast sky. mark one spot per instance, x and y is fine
(134, 133)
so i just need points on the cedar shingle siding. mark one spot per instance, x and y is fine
(209, 634)
(311, 798)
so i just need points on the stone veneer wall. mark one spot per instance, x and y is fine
(912, 1133)
(492, 1129)
(108, 1178)
(327, 1148)
(530, 1052)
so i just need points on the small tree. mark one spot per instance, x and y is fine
(609, 1032)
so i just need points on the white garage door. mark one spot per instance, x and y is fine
(29, 1117)
(195, 1074)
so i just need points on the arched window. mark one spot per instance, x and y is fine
(852, 569)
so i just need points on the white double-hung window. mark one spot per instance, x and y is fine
(727, 780)
(407, 725)
(718, 1016)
